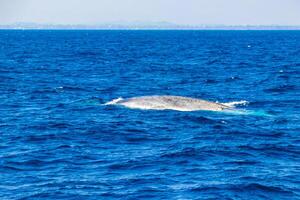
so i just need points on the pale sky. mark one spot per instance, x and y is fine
(185, 12)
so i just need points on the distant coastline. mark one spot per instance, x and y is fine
(142, 26)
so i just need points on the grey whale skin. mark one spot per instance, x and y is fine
(169, 103)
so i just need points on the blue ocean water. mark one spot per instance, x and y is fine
(58, 140)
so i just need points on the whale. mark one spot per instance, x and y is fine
(168, 102)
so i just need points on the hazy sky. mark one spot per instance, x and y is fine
(191, 12)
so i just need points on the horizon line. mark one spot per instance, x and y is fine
(139, 23)
(153, 28)
(141, 26)
(157, 29)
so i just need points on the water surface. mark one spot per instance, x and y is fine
(58, 140)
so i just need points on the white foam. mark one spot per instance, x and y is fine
(234, 103)
(114, 101)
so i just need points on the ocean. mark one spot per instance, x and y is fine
(59, 139)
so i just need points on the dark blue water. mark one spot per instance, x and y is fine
(58, 140)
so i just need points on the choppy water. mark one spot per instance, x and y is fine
(58, 140)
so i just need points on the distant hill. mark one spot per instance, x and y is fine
(143, 26)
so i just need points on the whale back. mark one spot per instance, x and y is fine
(171, 103)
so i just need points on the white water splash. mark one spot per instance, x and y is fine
(114, 101)
(234, 103)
